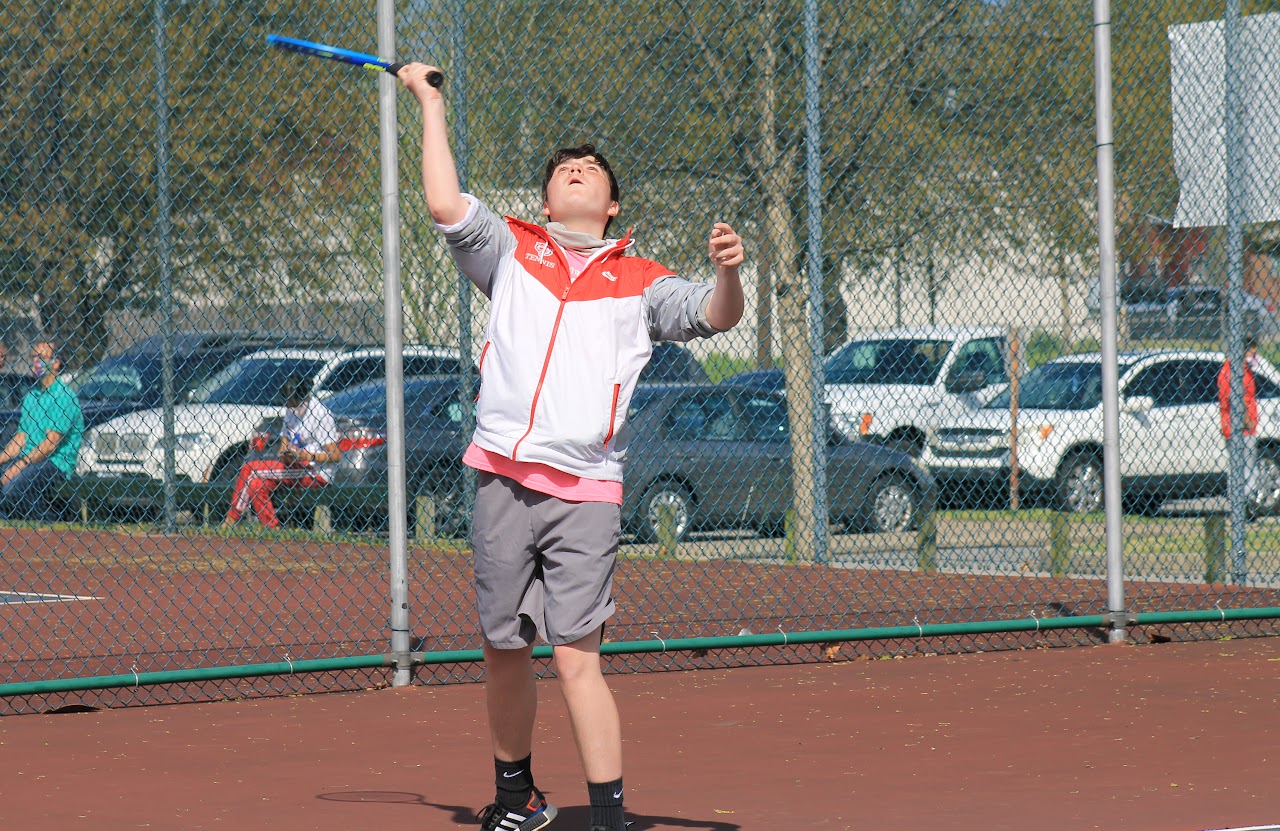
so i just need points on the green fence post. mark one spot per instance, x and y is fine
(927, 544)
(424, 518)
(790, 533)
(1215, 547)
(321, 519)
(668, 539)
(1059, 543)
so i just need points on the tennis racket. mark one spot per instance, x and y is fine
(333, 53)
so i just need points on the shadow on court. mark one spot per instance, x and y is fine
(575, 816)
(1158, 737)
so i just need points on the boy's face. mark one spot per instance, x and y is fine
(579, 190)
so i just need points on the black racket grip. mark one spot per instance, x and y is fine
(436, 79)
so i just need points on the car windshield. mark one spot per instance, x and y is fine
(370, 400)
(137, 377)
(1063, 385)
(359, 402)
(116, 379)
(254, 381)
(896, 361)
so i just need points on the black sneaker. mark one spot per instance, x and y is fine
(536, 813)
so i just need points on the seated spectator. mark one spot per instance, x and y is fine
(42, 454)
(309, 454)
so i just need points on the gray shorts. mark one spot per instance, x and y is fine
(542, 565)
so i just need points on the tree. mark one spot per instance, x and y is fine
(263, 150)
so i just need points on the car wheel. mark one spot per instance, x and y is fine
(911, 443)
(1079, 484)
(665, 496)
(1266, 496)
(893, 505)
(453, 510)
(228, 465)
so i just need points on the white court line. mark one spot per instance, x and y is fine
(1251, 828)
(39, 597)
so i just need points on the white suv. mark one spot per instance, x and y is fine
(213, 428)
(1171, 444)
(889, 386)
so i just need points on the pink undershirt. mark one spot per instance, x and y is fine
(544, 478)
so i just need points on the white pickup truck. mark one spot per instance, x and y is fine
(890, 386)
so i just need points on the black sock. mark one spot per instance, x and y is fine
(514, 781)
(606, 805)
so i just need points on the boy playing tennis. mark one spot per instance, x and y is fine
(571, 324)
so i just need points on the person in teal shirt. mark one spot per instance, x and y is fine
(42, 454)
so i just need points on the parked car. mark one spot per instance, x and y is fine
(886, 387)
(132, 380)
(672, 363)
(1171, 445)
(720, 457)
(1197, 313)
(212, 428)
(771, 380)
(434, 444)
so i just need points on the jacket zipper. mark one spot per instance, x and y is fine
(480, 366)
(613, 413)
(546, 362)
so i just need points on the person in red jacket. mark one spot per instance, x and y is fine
(1249, 435)
(572, 321)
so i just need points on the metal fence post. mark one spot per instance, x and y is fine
(397, 503)
(1234, 336)
(164, 250)
(1107, 293)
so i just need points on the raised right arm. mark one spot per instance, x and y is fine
(439, 171)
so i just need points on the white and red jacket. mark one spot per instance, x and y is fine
(562, 356)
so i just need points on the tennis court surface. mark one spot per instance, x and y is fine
(1161, 737)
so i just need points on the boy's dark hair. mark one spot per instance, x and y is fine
(294, 390)
(582, 151)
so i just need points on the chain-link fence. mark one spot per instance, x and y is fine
(192, 248)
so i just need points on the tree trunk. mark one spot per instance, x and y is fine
(1064, 297)
(774, 167)
(764, 308)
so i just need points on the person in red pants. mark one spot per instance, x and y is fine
(309, 453)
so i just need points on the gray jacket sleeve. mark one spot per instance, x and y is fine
(676, 309)
(478, 243)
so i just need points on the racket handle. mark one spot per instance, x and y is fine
(436, 79)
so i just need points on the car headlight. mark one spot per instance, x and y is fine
(192, 441)
(1039, 432)
(854, 425)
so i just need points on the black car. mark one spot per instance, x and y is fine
(434, 443)
(771, 380)
(671, 363)
(720, 457)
